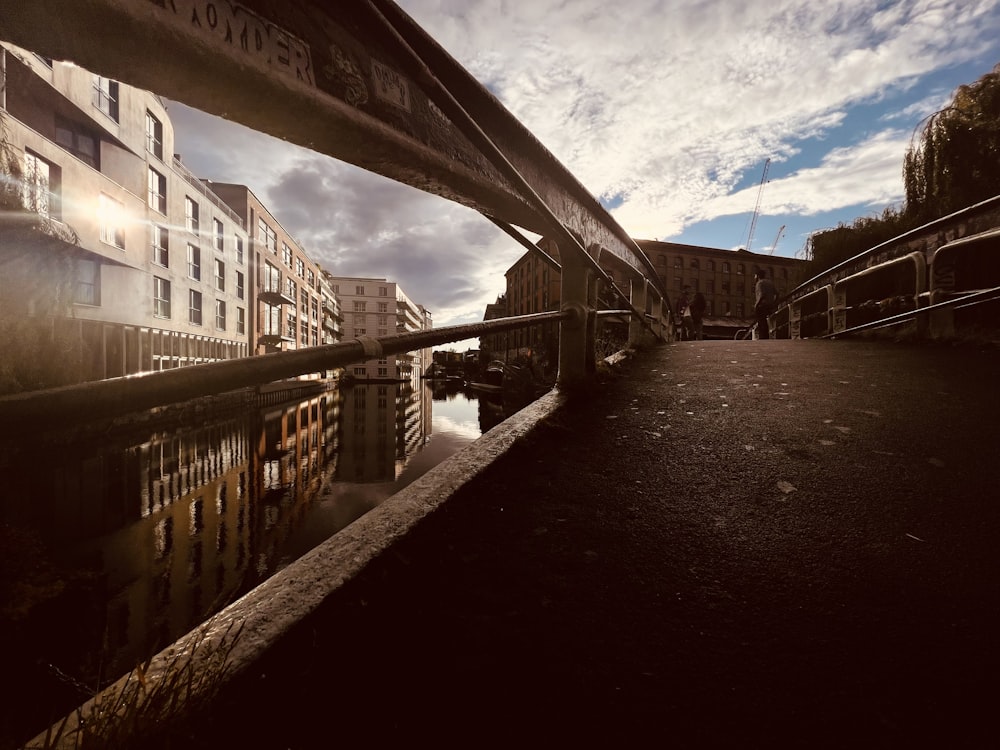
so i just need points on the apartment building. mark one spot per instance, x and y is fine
(105, 234)
(284, 281)
(376, 307)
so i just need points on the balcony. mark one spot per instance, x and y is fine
(275, 296)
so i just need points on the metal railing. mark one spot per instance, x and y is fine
(965, 300)
(115, 397)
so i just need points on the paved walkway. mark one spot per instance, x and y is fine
(749, 544)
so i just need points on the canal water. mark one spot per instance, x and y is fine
(112, 549)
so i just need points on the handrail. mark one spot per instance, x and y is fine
(899, 240)
(115, 397)
(965, 300)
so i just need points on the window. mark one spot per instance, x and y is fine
(711, 266)
(105, 96)
(241, 320)
(39, 186)
(739, 309)
(739, 269)
(710, 286)
(359, 306)
(160, 243)
(312, 278)
(694, 264)
(88, 282)
(220, 275)
(272, 320)
(157, 198)
(304, 327)
(239, 285)
(191, 214)
(360, 291)
(305, 299)
(300, 268)
(154, 135)
(725, 266)
(383, 292)
(111, 214)
(267, 237)
(290, 324)
(678, 262)
(220, 315)
(725, 287)
(239, 250)
(291, 288)
(194, 307)
(219, 238)
(78, 141)
(194, 262)
(286, 255)
(161, 297)
(272, 278)
(383, 320)
(383, 307)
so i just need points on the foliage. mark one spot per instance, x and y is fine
(10, 172)
(38, 354)
(956, 161)
(144, 708)
(834, 246)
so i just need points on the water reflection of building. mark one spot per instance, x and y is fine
(383, 426)
(288, 467)
(160, 533)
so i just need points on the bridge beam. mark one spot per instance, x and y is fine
(359, 81)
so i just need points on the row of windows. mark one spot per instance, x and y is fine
(162, 307)
(160, 242)
(695, 264)
(269, 239)
(273, 326)
(359, 291)
(360, 306)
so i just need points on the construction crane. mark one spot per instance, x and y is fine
(756, 208)
(778, 237)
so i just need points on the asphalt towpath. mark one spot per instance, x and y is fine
(740, 544)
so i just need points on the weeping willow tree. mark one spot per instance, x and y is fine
(955, 160)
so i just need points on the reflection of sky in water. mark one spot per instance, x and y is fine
(454, 425)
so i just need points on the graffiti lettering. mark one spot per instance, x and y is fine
(239, 27)
(390, 86)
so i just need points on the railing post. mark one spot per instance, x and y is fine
(656, 313)
(577, 335)
(637, 296)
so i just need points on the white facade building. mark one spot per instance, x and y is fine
(107, 236)
(375, 308)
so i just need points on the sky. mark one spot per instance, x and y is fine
(666, 110)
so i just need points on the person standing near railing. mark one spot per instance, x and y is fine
(765, 298)
(697, 308)
(682, 309)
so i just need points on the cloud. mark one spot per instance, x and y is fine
(665, 110)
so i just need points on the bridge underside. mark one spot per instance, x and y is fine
(360, 82)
